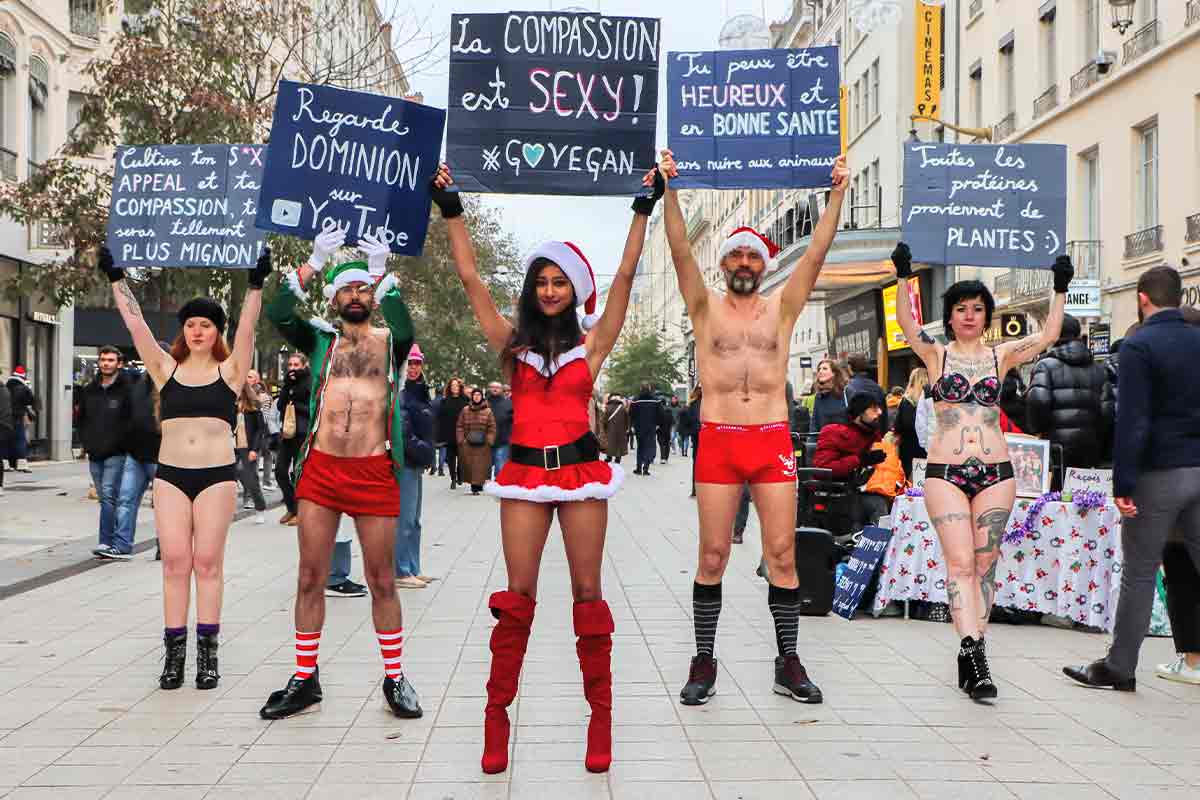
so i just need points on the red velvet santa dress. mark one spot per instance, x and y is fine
(550, 407)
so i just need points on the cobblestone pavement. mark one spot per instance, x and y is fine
(81, 717)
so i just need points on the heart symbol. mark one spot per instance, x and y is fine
(533, 153)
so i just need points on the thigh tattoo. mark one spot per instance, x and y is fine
(993, 521)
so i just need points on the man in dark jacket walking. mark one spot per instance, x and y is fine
(666, 422)
(861, 382)
(644, 414)
(6, 424)
(104, 413)
(418, 455)
(23, 411)
(296, 391)
(1156, 469)
(141, 458)
(502, 410)
(1065, 400)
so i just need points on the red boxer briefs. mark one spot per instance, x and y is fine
(745, 454)
(357, 487)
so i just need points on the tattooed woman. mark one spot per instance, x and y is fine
(199, 381)
(969, 487)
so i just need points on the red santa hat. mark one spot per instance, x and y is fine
(571, 260)
(748, 237)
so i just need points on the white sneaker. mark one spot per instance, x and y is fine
(260, 519)
(1179, 671)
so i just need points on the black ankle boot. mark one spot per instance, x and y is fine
(978, 683)
(298, 696)
(207, 676)
(174, 659)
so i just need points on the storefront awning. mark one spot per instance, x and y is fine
(856, 258)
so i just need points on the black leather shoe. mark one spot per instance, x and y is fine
(174, 659)
(791, 680)
(402, 698)
(299, 695)
(207, 676)
(701, 683)
(1098, 675)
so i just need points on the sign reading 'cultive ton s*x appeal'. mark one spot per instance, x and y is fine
(552, 103)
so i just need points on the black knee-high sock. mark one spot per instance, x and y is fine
(785, 609)
(706, 608)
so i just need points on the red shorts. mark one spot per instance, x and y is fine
(357, 487)
(745, 454)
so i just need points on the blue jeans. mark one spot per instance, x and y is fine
(681, 442)
(500, 455)
(106, 476)
(135, 477)
(339, 571)
(441, 457)
(408, 524)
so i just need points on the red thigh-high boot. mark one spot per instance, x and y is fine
(514, 615)
(594, 627)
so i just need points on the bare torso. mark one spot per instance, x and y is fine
(741, 356)
(967, 430)
(354, 409)
(197, 442)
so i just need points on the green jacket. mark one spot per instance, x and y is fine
(317, 339)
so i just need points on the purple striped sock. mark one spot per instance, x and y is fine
(173, 633)
(207, 629)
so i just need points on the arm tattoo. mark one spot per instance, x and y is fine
(1029, 344)
(130, 301)
(926, 338)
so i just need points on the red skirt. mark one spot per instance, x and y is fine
(590, 480)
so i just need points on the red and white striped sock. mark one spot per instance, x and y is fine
(307, 645)
(391, 643)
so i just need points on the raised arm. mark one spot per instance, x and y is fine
(158, 362)
(496, 329)
(283, 310)
(1013, 354)
(800, 283)
(243, 341)
(921, 342)
(691, 281)
(603, 337)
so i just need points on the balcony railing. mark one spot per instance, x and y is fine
(85, 18)
(866, 211)
(1141, 42)
(974, 9)
(35, 169)
(1005, 128)
(1193, 229)
(1046, 102)
(1085, 257)
(1144, 242)
(1193, 12)
(8, 164)
(1087, 77)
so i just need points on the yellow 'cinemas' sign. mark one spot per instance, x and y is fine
(928, 59)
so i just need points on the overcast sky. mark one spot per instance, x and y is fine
(598, 225)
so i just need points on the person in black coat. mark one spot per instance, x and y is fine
(297, 392)
(447, 426)
(419, 455)
(141, 457)
(666, 423)
(250, 440)
(6, 425)
(103, 415)
(1064, 402)
(644, 413)
(22, 414)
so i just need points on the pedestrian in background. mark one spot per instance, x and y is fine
(616, 428)
(475, 436)
(104, 414)
(294, 413)
(693, 423)
(644, 415)
(906, 419)
(270, 414)
(829, 403)
(418, 456)
(1012, 398)
(861, 382)
(250, 439)
(666, 423)
(141, 457)
(6, 425)
(447, 431)
(502, 410)
(24, 411)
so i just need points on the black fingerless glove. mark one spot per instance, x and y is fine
(645, 205)
(261, 270)
(448, 202)
(104, 261)
(874, 457)
(1063, 273)
(902, 258)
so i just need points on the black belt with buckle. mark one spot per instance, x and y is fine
(582, 450)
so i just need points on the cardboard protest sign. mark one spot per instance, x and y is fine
(852, 581)
(753, 119)
(186, 205)
(359, 161)
(1088, 480)
(985, 205)
(552, 103)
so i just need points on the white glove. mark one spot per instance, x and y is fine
(324, 246)
(377, 254)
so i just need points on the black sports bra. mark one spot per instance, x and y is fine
(214, 400)
(956, 388)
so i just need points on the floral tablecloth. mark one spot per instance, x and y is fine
(1069, 564)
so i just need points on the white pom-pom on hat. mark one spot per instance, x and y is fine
(571, 260)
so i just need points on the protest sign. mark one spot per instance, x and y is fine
(1088, 480)
(754, 119)
(552, 103)
(354, 160)
(186, 205)
(985, 205)
(852, 581)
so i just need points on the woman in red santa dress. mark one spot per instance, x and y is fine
(551, 357)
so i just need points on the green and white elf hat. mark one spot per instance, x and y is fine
(345, 274)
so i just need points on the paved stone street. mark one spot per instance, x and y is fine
(81, 717)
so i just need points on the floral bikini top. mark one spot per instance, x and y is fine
(956, 388)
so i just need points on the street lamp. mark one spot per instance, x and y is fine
(1122, 14)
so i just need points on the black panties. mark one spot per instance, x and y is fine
(972, 476)
(194, 481)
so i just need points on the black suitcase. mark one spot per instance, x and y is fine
(816, 561)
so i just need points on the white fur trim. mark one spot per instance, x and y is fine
(539, 363)
(588, 321)
(553, 494)
(744, 239)
(569, 262)
(385, 286)
(321, 325)
(343, 278)
(293, 284)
